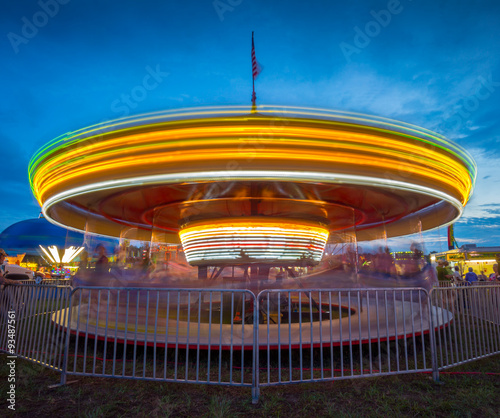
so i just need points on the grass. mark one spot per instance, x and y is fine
(460, 394)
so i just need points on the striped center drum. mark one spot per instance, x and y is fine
(230, 241)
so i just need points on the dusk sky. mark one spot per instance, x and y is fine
(67, 64)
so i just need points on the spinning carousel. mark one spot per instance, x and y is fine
(258, 191)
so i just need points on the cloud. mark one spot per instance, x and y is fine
(485, 200)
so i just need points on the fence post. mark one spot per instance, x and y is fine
(435, 368)
(255, 357)
(66, 342)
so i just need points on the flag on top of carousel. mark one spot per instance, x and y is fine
(256, 67)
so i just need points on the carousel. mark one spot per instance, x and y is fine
(254, 199)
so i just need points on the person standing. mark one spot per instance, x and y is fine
(443, 273)
(494, 276)
(457, 277)
(471, 276)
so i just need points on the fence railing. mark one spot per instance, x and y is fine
(48, 282)
(462, 283)
(232, 337)
(333, 334)
(177, 335)
(27, 328)
(474, 331)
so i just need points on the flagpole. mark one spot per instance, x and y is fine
(254, 97)
(253, 90)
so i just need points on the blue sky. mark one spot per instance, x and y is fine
(67, 64)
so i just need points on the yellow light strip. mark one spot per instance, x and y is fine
(227, 144)
(358, 161)
(356, 149)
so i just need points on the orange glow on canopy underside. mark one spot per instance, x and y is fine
(274, 144)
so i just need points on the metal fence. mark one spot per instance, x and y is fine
(48, 282)
(174, 335)
(27, 328)
(336, 334)
(474, 331)
(232, 337)
(449, 283)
